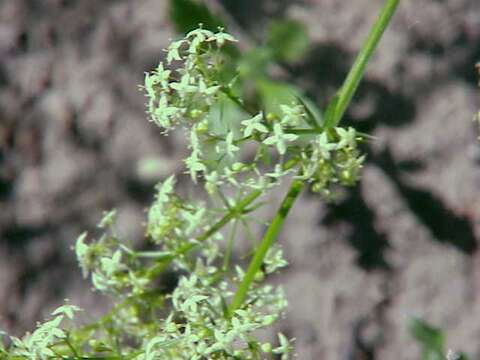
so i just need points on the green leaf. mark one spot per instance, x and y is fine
(186, 15)
(453, 355)
(107, 219)
(254, 124)
(314, 115)
(329, 119)
(68, 310)
(275, 93)
(225, 116)
(288, 39)
(431, 339)
(279, 139)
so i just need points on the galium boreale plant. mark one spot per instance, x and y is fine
(218, 307)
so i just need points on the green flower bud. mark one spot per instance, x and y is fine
(195, 113)
(202, 126)
(266, 348)
(271, 117)
(238, 166)
(316, 187)
(259, 276)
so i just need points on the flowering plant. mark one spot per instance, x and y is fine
(238, 154)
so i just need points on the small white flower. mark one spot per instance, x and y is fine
(292, 114)
(325, 147)
(254, 124)
(347, 137)
(452, 355)
(279, 138)
(173, 51)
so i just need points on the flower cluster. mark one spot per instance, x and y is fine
(195, 96)
(198, 324)
(187, 93)
(206, 330)
(332, 158)
(44, 342)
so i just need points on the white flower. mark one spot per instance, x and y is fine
(279, 138)
(324, 146)
(347, 137)
(254, 123)
(292, 115)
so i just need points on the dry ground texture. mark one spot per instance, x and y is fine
(73, 133)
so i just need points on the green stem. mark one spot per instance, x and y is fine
(344, 97)
(356, 72)
(164, 261)
(226, 91)
(229, 248)
(238, 209)
(70, 346)
(165, 258)
(266, 242)
(304, 131)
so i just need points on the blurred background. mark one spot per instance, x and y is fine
(402, 245)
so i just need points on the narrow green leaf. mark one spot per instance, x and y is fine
(329, 120)
(314, 117)
(430, 338)
(187, 14)
(275, 93)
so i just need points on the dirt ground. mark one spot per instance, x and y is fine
(402, 244)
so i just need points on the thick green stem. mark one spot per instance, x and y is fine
(266, 242)
(356, 72)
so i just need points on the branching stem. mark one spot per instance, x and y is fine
(265, 244)
(345, 95)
